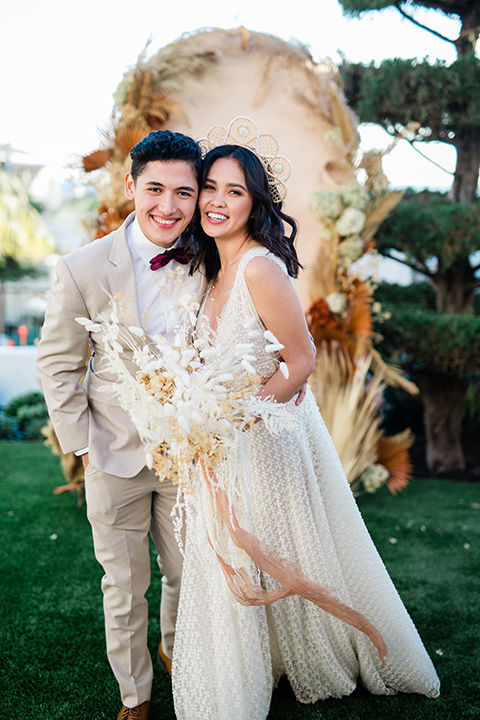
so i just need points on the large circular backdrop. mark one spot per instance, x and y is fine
(212, 76)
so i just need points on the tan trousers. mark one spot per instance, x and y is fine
(122, 512)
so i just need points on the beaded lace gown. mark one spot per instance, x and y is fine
(293, 494)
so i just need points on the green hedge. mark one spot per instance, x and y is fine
(23, 417)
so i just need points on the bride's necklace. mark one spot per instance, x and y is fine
(211, 298)
(212, 310)
(211, 294)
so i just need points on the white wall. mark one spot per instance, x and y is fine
(18, 373)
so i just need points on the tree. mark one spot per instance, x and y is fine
(428, 333)
(25, 240)
(437, 235)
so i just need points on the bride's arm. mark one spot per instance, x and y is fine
(278, 305)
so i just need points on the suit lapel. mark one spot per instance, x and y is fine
(121, 277)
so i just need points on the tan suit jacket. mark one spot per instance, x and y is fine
(82, 415)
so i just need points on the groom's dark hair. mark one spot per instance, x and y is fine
(165, 145)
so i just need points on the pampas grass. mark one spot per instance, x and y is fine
(349, 405)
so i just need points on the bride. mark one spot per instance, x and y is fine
(232, 649)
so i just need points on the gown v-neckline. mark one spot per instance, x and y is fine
(221, 317)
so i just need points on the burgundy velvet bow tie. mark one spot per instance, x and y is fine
(179, 254)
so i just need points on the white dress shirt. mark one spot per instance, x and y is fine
(159, 292)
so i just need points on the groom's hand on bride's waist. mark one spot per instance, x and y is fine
(301, 393)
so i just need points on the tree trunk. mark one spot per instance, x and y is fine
(444, 395)
(443, 399)
(464, 189)
(455, 287)
(470, 19)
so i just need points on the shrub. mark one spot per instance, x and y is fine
(29, 398)
(23, 417)
(6, 426)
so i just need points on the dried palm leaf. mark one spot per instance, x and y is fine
(359, 319)
(378, 211)
(111, 193)
(157, 115)
(140, 86)
(127, 137)
(339, 337)
(393, 375)
(147, 94)
(361, 290)
(349, 406)
(405, 438)
(394, 456)
(107, 135)
(291, 52)
(131, 117)
(342, 116)
(72, 466)
(175, 64)
(96, 159)
(321, 274)
(154, 106)
(245, 35)
(110, 219)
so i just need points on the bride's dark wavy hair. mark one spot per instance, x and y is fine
(266, 223)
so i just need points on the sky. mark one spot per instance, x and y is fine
(61, 62)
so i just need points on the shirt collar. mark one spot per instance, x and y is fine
(144, 247)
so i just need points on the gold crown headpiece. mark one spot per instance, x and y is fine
(244, 131)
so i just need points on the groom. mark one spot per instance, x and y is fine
(125, 500)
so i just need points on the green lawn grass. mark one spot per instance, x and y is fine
(52, 650)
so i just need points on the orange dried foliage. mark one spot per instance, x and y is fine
(154, 106)
(320, 317)
(97, 159)
(326, 326)
(127, 137)
(359, 319)
(396, 459)
(140, 88)
(159, 111)
(330, 335)
(110, 219)
(361, 291)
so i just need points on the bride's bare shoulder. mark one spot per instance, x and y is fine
(260, 267)
(267, 282)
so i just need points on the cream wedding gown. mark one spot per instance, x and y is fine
(227, 656)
